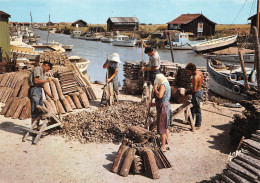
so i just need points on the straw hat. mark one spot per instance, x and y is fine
(115, 57)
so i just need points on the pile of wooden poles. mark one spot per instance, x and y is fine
(247, 123)
(140, 154)
(54, 57)
(14, 89)
(14, 92)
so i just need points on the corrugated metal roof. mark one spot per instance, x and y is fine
(124, 19)
(4, 14)
(187, 18)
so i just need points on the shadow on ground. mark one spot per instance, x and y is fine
(13, 128)
(110, 157)
(222, 141)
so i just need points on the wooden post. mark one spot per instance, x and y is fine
(257, 58)
(257, 17)
(170, 42)
(243, 69)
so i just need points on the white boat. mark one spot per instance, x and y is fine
(106, 39)
(181, 42)
(122, 40)
(21, 49)
(227, 80)
(76, 34)
(215, 44)
(68, 47)
(248, 58)
(81, 63)
(53, 30)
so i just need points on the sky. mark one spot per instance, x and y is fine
(147, 11)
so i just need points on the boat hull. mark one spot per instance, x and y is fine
(222, 85)
(126, 43)
(215, 44)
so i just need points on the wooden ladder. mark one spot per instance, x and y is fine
(45, 124)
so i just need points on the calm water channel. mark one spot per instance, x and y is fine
(96, 52)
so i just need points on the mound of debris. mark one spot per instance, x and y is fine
(105, 125)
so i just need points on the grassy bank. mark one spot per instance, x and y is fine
(155, 33)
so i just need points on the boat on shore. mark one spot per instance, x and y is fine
(122, 40)
(76, 34)
(215, 44)
(228, 80)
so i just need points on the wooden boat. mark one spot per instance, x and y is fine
(227, 80)
(76, 34)
(106, 40)
(122, 40)
(68, 47)
(81, 63)
(215, 44)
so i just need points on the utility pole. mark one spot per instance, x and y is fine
(257, 57)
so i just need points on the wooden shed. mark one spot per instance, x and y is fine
(253, 22)
(122, 24)
(79, 23)
(198, 24)
(4, 35)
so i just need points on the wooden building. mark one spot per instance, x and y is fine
(4, 35)
(198, 24)
(253, 22)
(79, 23)
(122, 24)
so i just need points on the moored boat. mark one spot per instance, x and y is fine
(106, 39)
(81, 63)
(215, 44)
(122, 40)
(68, 47)
(181, 42)
(228, 80)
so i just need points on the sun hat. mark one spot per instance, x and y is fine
(115, 57)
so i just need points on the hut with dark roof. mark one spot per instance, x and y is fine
(122, 24)
(253, 21)
(79, 23)
(4, 36)
(198, 24)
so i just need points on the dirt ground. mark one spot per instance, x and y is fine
(195, 156)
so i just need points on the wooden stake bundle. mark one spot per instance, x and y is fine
(119, 158)
(17, 88)
(54, 90)
(24, 90)
(19, 109)
(70, 102)
(127, 162)
(7, 105)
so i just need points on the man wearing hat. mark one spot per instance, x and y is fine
(113, 64)
(36, 82)
(154, 62)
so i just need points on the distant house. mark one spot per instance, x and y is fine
(79, 23)
(49, 24)
(198, 24)
(26, 24)
(4, 36)
(122, 24)
(253, 21)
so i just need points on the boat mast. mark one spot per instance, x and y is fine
(48, 29)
